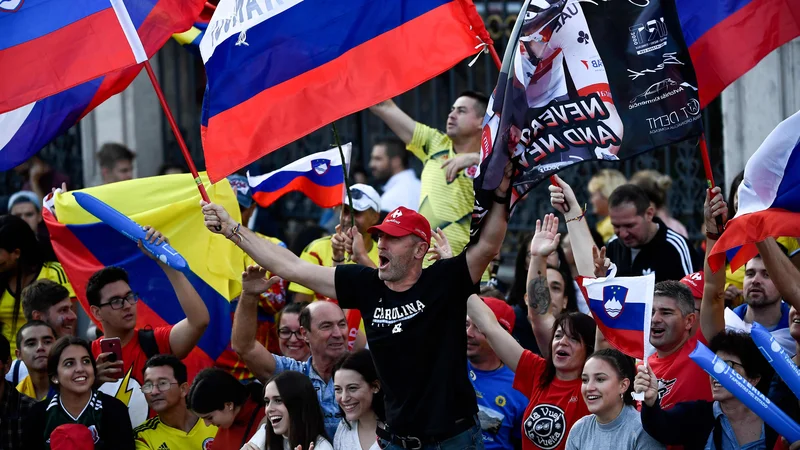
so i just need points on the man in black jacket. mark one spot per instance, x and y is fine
(642, 244)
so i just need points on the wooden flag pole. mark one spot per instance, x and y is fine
(709, 175)
(344, 171)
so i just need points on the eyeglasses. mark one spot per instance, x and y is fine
(733, 364)
(286, 333)
(162, 385)
(119, 302)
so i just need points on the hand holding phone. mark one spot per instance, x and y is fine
(109, 363)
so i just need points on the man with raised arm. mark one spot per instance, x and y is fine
(429, 398)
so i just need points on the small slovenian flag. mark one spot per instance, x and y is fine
(769, 197)
(318, 176)
(622, 308)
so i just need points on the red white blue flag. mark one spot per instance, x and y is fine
(319, 176)
(622, 308)
(47, 94)
(769, 197)
(726, 38)
(280, 70)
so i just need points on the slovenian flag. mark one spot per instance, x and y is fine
(622, 308)
(169, 203)
(319, 176)
(47, 92)
(280, 70)
(769, 197)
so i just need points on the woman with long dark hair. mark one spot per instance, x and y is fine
(221, 400)
(360, 398)
(21, 263)
(607, 385)
(71, 369)
(294, 417)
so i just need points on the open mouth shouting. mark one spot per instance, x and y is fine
(383, 262)
(657, 332)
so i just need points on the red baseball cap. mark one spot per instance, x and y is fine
(503, 311)
(402, 222)
(695, 282)
(71, 436)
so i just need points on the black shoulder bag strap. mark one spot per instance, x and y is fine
(718, 434)
(246, 435)
(147, 340)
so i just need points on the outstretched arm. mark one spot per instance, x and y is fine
(545, 241)
(564, 201)
(781, 271)
(276, 259)
(507, 348)
(397, 120)
(187, 333)
(712, 308)
(481, 254)
(243, 336)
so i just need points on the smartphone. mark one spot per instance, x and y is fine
(113, 346)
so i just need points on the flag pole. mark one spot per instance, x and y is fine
(709, 174)
(344, 171)
(176, 131)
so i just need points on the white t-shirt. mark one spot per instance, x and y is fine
(402, 189)
(260, 440)
(347, 438)
(21, 372)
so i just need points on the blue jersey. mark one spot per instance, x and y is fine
(500, 406)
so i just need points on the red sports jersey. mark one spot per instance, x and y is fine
(128, 388)
(679, 378)
(552, 410)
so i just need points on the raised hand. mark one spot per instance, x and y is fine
(601, 263)
(151, 236)
(647, 382)
(563, 198)
(546, 237)
(255, 282)
(713, 207)
(338, 244)
(108, 371)
(441, 246)
(356, 247)
(216, 219)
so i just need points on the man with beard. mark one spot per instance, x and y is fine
(762, 301)
(389, 165)
(429, 398)
(500, 406)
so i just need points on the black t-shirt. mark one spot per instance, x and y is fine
(418, 340)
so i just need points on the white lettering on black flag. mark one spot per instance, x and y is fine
(586, 80)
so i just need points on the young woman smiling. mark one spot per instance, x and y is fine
(607, 384)
(294, 417)
(359, 394)
(72, 373)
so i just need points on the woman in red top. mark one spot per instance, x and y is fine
(221, 400)
(552, 382)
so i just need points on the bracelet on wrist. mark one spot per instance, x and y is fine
(579, 217)
(235, 233)
(337, 260)
(713, 236)
(501, 200)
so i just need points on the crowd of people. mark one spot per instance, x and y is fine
(356, 342)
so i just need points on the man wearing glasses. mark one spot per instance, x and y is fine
(113, 303)
(175, 427)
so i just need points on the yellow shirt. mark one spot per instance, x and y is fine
(446, 206)
(26, 387)
(605, 229)
(737, 278)
(320, 252)
(155, 435)
(50, 271)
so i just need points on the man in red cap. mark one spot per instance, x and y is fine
(695, 283)
(500, 406)
(413, 317)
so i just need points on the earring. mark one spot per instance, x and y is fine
(622, 396)
(55, 381)
(230, 407)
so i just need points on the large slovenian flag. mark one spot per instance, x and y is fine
(726, 38)
(319, 176)
(622, 308)
(169, 203)
(280, 70)
(39, 119)
(769, 197)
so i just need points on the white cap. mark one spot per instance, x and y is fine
(364, 198)
(24, 197)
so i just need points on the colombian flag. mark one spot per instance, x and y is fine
(171, 204)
